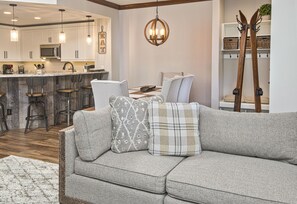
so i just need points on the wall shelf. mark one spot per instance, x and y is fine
(247, 51)
(228, 66)
(245, 106)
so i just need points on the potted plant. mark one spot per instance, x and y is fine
(265, 10)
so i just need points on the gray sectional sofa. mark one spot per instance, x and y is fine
(246, 158)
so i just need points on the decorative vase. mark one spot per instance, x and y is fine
(39, 71)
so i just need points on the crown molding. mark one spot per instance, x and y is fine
(106, 3)
(143, 5)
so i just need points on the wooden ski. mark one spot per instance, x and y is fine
(243, 28)
(254, 28)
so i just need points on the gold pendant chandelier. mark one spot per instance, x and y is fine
(156, 31)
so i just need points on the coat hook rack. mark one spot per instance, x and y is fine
(243, 29)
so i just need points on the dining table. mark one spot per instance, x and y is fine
(135, 92)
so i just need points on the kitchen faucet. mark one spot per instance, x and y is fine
(72, 67)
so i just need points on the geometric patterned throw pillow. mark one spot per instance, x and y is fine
(174, 129)
(130, 127)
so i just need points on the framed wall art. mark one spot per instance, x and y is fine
(102, 41)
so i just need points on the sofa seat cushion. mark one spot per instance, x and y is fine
(222, 178)
(170, 200)
(139, 170)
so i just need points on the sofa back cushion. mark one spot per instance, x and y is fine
(92, 133)
(269, 136)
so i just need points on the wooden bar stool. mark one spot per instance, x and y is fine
(37, 99)
(68, 94)
(87, 91)
(2, 116)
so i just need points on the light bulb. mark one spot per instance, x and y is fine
(62, 37)
(162, 31)
(89, 39)
(14, 35)
(151, 32)
(157, 31)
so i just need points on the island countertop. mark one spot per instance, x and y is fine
(50, 74)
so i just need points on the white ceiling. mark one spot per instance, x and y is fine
(25, 12)
(48, 13)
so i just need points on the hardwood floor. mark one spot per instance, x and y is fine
(37, 144)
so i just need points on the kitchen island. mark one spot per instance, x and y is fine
(16, 86)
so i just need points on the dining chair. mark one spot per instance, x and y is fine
(103, 89)
(169, 75)
(170, 89)
(185, 89)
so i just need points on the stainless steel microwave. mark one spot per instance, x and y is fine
(50, 51)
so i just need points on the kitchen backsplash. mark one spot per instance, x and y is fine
(52, 65)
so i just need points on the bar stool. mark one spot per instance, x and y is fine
(87, 91)
(67, 94)
(2, 117)
(37, 99)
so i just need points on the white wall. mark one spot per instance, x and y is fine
(217, 20)
(188, 48)
(248, 8)
(283, 73)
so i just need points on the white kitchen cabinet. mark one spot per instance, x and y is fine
(76, 47)
(69, 50)
(30, 45)
(9, 51)
(50, 36)
(87, 50)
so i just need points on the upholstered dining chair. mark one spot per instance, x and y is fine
(185, 89)
(170, 89)
(169, 75)
(103, 89)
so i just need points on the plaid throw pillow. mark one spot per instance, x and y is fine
(174, 129)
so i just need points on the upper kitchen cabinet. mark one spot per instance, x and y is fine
(50, 36)
(9, 51)
(76, 47)
(30, 45)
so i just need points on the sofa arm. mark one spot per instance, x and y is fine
(68, 153)
(68, 150)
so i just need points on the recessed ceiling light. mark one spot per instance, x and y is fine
(7, 12)
(37, 18)
(14, 20)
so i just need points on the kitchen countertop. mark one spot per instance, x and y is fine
(50, 74)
